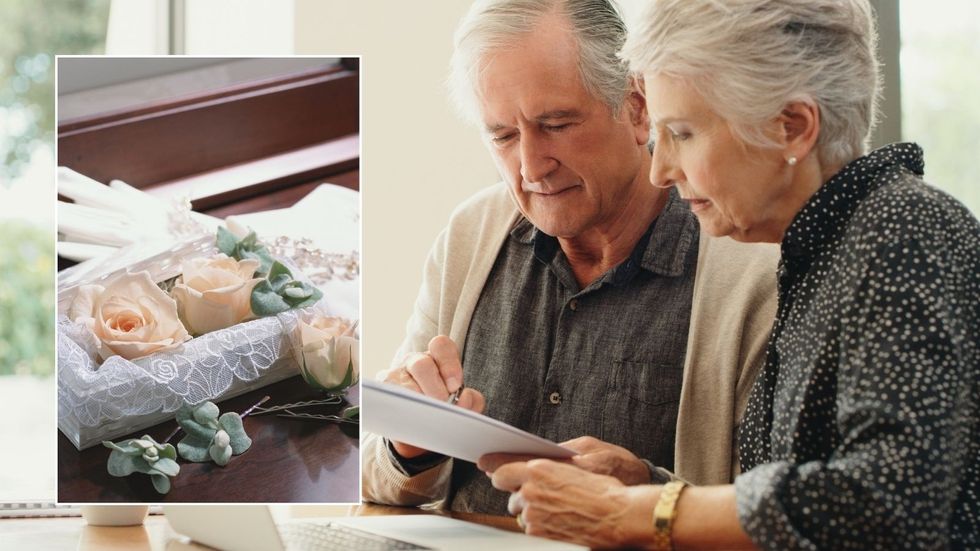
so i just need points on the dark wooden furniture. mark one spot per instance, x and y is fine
(244, 148)
(291, 460)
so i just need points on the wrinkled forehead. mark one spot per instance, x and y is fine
(538, 73)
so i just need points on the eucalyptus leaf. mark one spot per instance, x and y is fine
(279, 283)
(194, 448)
(185, 418)
(279, 269)
(206, 414)
(125, 447)
(308, 295)
(120, 464)
(161, 483)
(200, 444)
(280, 292)
(250, 242)
(220, 454)
(297, 292)
(232, 423)
(248, 247)
(265, 260)
(129, 456)
(266, 301)
(226, 241)
(166, 466)
(169, 452)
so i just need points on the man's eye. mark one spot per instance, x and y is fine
(680, 136)
(556, 127)
(499, 140)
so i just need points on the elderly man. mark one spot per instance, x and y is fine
(574, 298)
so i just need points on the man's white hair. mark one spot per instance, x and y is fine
(749, 58)
(493, 25)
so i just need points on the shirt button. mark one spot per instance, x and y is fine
(573, 304)
(554, 398)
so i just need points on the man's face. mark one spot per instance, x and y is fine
(570, 164)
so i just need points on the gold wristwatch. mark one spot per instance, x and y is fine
(664, 514)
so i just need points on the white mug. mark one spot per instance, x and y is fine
(114, 515)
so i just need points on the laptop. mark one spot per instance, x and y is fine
(254, 528)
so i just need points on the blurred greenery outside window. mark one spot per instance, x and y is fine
(31, 32)
(940, 111)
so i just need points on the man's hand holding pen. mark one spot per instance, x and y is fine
(437, 373)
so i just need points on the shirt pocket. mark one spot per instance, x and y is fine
(639, 409)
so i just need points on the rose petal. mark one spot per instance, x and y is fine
(213, 293)
(83, 304)
(309, 334)
(128, 315)
(203, 315)
(331, 325)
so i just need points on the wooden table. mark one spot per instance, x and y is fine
(71, 534)
(290, 461)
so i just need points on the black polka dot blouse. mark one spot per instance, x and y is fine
(862, 430)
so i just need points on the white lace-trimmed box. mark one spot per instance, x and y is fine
(103, 402)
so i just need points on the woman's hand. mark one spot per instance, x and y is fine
(594, 455)
(560, 501)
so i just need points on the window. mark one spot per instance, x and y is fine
(201, 27)
(30, 32)
(939, 83)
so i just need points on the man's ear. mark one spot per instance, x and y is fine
(800, 125)
(636, 106)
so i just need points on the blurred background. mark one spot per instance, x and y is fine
(30, 31)
(421, 160)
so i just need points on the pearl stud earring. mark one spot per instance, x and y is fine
(791, 161)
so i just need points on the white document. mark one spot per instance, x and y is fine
(412, 418)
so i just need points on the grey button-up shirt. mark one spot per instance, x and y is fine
(562, 361)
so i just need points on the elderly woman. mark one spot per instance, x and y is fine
(862, 431)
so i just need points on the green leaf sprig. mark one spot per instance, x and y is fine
(280, 292)
(144, 455)
(246, 247)
(210, 437)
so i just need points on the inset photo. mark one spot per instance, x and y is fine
(208, 287)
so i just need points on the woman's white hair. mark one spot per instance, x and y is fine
(492, 25)
(749, 58)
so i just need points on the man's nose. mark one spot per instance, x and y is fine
(536, 160)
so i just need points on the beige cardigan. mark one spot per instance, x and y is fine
(734, 305)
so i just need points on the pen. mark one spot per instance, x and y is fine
(454, 397)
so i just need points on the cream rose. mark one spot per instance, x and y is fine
(328, 359)
(214, 293)
(131, 317)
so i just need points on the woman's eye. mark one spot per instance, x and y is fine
(680, 136)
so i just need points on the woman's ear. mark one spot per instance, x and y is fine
(636, 105)
(800, 124)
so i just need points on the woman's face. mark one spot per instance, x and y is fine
(734, 188)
